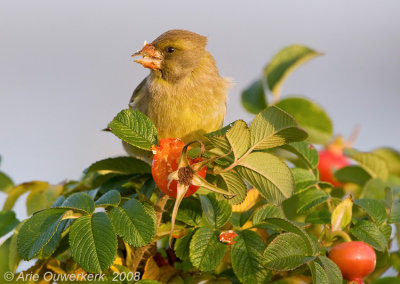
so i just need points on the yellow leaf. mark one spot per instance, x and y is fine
(249, 202)
(341, 215)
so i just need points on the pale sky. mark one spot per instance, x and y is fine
(65, 69)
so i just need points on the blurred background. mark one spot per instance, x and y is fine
(66, 70)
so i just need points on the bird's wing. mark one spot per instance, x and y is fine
(138, 94)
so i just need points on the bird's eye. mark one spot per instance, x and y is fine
(170, 49)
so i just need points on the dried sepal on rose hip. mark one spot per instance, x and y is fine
(227, 237)
(179, 176)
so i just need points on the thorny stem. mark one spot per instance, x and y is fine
(138, 253)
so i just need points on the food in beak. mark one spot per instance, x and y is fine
(151, 57)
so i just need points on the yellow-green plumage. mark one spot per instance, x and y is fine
(186, 97)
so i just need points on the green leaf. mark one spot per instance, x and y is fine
(218, 138)
(368, 232)
(15, 192)
(134, 128)
(133, 223)
(93, 242)
(386, 280)
(374, 189)
(110, 198)
(274, 127)
(14, 258)
(6, 182)
(216, 212)
(392, 158)
(253, 97)
(311, 117)
(289, 226)
(310, 198)
(386, 230)
(4, 253)
(79, 201)
(42, 198)
(373, 208)
(53, 243)
(286, 252)
(353, 173)
(239, 138)
(395, 213)
(319, 217)
(148, 188)
(265, 212)
(182, 245)
(373, 164)
(247, 258)
(8, 221)
(303, 179)
(148, 281)
(231, 182)
(238, 219)
(37, 231)
(284, 63)
(342, 214)
(206, 251)
(120, 165)
(190, 211)
(325, 271)
(269, 175)
(305, 151)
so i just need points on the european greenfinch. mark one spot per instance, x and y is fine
(183, 95)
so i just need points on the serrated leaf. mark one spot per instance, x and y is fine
(134, 128)
(133, 223)
(239, 219)
(373, 208)
(392, 158)
(342, 214)
(286, 252)
(368, 232)
(305, 151)
(42, 198)
(79, 201)
(206, 251)
(190, 211)
(395, 213)
(311, 117)
(55, 240)
(93, 242)
(331, 270)
(318, 273)
(120, 165)
(274, 127)
(15, 192)
(13, 257)
(182, 245)
(284, 63)
(303, 178)
(232, 183)
(216, 212)
(319, 217)
(6, 183)
(265, 212)
(110, 198)
(8, 221)
(373, 164)
(37, 231)
(239, 138)
(289, 226)
(386, 230)
(254, 98)
(269, 175)
(310, 198)
(353, 173)
(247, 258)
(218, 138)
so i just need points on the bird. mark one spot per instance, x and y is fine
(184, 94)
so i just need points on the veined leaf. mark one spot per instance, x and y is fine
(8, 221)
(206, 251)
(311, 117)
(247, 258)
(120, 165)
(274, 127)
(342, 214)
(284, 63)
(182, 245)
(42, 198)
(254, 98)
(395, 213)
(110, 198)
(79, 201)
(231, 182)
(310, 198)
(319, 217)
(325, 271)
(134, 128)
(218, 138)
(286, 252)
(267, 211)
(353, 173)
(374, 209)
(133, 223)
(303, 178)
(371, 163)
(37, 231)
(190, 211)
(239, 138)
(15, 192)
(368, 232)
(93, 242)
(305, 151)
(216, 212)
(13, 257)
(269, 175)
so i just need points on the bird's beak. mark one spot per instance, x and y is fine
(151, 57)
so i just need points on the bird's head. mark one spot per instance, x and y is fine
(174, 54)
